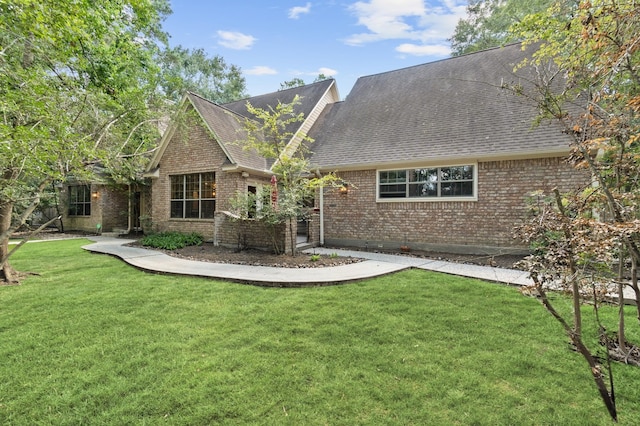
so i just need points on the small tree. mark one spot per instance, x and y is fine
(269, 134)
(588, 80)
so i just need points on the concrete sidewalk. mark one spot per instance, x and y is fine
(376, 264)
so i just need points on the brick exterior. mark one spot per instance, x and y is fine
(110, 210)
(482, 226)
(199, 153)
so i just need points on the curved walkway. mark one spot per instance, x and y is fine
(376, 264)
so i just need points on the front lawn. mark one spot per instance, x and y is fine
(92, 340)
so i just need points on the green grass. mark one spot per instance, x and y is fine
(92, 340)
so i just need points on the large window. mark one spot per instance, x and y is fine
(193, 196)
(80, 200)
(427, 183)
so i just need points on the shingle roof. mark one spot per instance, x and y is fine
(228, 129)
(309, 95)
(225, 120)
(440, 111)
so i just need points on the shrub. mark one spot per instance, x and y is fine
(171, 240)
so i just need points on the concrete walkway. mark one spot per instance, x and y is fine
(376, 264)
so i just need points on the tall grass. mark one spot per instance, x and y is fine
(91, 340)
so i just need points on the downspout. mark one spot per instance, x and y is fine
(129, 221)
(321, 202)
(322, 216)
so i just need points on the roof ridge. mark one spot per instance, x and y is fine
(450, 58)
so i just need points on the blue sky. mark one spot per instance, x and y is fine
(276, 41)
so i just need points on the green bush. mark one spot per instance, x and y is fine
(171, 240)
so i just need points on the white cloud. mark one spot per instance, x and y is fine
(235, 40)
(424, 50)
(295, 12)
(326, 71)
(260, 70)
(413, 20)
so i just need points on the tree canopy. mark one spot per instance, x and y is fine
(192, 70)
(78, 84)
(488, 22)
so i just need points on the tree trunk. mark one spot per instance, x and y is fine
(7, 273)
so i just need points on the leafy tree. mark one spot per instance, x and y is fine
(290, 84)
(192, 70)
(77, 86)
(488, 21)
(297, 82)
(269, 133)
(588, 80)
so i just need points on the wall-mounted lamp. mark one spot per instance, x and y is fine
(344, 188)
(95, 194)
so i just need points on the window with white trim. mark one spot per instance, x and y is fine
(427, 183)
(193, 196)
(80, 200)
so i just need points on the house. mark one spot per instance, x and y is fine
(102, 206)
(438, 156)
(200, 165)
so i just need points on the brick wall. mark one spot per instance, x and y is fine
(109, 209)
(481, 226)
(197, 152)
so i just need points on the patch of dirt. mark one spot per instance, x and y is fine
(209, 253)
(506, 261)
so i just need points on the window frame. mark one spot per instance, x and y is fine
(436, 198)
(84, 205)
(199, 199)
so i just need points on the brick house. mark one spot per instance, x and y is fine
(101, 206)
(199, 165)
(436, 156)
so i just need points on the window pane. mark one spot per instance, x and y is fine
(423, 175)
(177, 187)
(393, 176)
(176, 209)
(208, 207)
(393, 191)
(86, 194)
(428, 189)
(192, 186)
(467, 172)
(208, 185)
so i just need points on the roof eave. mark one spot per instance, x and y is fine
(444, 160)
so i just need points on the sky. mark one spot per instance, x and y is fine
(277, 41)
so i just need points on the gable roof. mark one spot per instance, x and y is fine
(450, 110)
(224, 122)
(309, 95)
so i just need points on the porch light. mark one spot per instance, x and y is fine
(95, 194)
(344, 188)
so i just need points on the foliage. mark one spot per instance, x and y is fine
(77, 87)
(297, 82)
(269, 133)
(410, 348)
(171, 240)
(192, 70)
(290, 84)
(488, 22)
(588, 80)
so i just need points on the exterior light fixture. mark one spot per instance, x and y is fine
(95, 194)
(344, 188)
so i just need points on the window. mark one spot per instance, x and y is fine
(80, 200)
(433, 182)
(193, 196)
